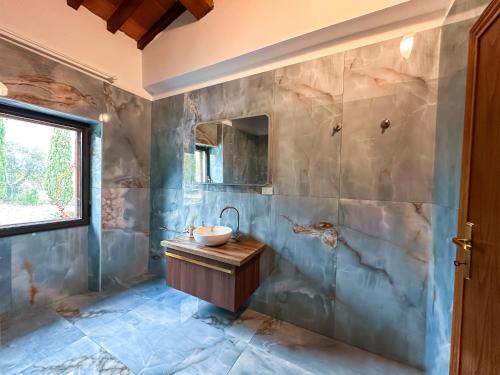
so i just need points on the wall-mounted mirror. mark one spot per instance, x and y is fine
(232, 151)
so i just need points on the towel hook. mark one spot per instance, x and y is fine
(384, 125)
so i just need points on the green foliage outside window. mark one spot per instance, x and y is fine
(59, 173)
(25, 170)
(3, 162)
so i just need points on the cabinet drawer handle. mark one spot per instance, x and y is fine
(199, 263)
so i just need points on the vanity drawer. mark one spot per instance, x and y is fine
(225, 285)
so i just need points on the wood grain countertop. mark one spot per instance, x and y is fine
(233, 252)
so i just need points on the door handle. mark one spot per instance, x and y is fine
(466, 245)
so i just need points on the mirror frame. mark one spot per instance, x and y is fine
(269, 149)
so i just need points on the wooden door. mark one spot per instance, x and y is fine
(476, 314)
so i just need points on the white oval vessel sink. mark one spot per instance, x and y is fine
(212, 236)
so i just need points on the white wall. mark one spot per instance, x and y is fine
(241, 37)
(78, 34)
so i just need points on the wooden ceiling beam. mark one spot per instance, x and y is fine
(75, 4)
(198, 8)
(170, 16)
(122, 14)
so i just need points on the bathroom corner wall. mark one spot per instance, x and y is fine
(449, 132)
(125, 186)
(39, 268)
(376, 188)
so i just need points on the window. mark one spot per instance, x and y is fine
(44, 171)
(202, 160)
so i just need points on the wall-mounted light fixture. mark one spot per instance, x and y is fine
(4, 90)
(406, 46)
(104, 117)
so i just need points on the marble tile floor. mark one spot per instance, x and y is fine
(148, 328)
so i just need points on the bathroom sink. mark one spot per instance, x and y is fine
(212, 236)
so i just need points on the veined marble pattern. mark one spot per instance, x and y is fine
(124, 255)
(252, 95)
(126, 209)
(126, 139)
(451, 112)
(167, 143)
(382, 268)
(379, 84)
(47, 266)
(450, 116)
(146, 329)
(440, 294)
(379, 69)
(370, 191)
(308, 106)
(63, 264)
(396, 165)
(33, 79)
(301, 285)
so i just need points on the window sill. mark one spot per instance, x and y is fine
(45, 226)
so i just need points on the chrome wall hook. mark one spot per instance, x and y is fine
(336, 128)
(384, 125)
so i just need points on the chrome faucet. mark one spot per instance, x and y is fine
(237, 234)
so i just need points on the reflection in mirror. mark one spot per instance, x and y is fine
(232, 151)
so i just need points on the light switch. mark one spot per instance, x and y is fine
(267, 190)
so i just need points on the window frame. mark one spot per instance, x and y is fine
(206, 151)
(65, 123)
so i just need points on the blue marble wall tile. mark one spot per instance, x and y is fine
(450, 120)
(248, 95)
(126, 209)
(381, 286)
(33, 79)
(440, 294)
(398, 164)
(379, 69)
(301, 285)
(461, 7)
(120, 157)
(205, 104)
(47, 266)
(308, 106)
(168, 219)
(5, 276)
(167, 144)
(56, 259)
(125, 234)
(380, 298)
(125, 255)
(451, 112)
(125, 202)
(372, 289)
(96, 156)
(126, 139)
(407, 225)
(173, 210)
(95, 241)
(378, 84)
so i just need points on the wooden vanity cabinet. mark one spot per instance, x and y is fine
(225, 275)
